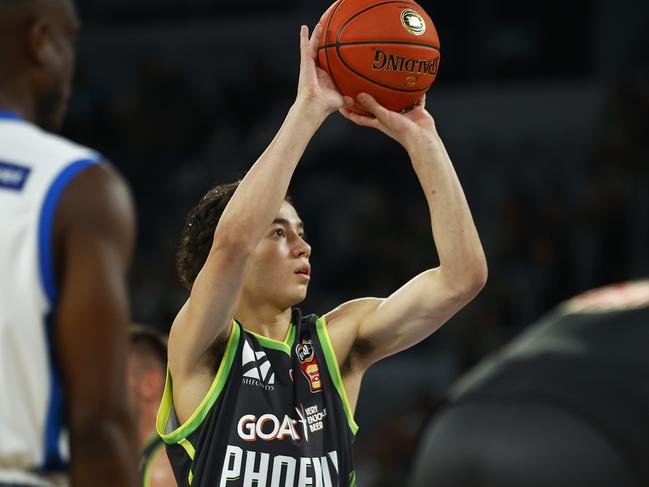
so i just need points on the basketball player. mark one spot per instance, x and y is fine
(565, 404)
(66, 236)
(147, 363)
(258, 394)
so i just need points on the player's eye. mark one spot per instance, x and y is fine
(279, 232)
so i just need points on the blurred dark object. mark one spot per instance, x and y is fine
(564, 404)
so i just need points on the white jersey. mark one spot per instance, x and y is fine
(35, 168)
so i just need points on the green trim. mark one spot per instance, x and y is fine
(283, 346)
(191, 451)
(146, 482)
(154, 438)
(352, 479)
(189, 448)
(208, 401)
(334, 370)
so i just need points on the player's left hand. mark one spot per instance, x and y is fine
(315, 86)
(409, 128)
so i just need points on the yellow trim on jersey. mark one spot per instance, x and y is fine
(191, 451)
(334, 370)
(283, 346)
(210, 398)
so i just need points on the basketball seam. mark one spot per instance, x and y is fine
(329, 70)
(361, 43)
(342, 27)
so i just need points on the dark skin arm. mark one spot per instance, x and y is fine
(94, 230)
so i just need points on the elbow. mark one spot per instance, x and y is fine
(472, 280)
(476, 279)
(479, 274)
(233, 243)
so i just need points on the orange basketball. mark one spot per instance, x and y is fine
(389, 49)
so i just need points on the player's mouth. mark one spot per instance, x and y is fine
(304, 270)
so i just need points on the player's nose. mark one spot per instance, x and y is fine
(302, 249)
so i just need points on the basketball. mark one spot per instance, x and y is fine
(389, 49)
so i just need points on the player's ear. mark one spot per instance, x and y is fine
(152, 385)
(40, 46)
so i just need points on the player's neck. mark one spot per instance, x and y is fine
(9, 102)
(266, 320)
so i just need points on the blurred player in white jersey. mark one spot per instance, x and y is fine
(66, 237)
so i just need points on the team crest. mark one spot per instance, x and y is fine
(413, 22)
(308, 365)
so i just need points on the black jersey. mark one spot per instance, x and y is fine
(588, 356)
(150, 452)
(276, 415)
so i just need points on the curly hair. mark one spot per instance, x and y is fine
(198, 233)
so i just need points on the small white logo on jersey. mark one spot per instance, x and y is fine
(12, 176)
(256, 368)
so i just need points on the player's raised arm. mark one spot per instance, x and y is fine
(387, 326)
(215, 291)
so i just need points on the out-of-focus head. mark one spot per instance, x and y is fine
(37, 55)
(147, 364)
(279, 271)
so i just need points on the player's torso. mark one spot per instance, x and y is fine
(31, 166)
(279, 419)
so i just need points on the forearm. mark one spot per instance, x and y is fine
(462, 260)
(102, 454)
(261, 192)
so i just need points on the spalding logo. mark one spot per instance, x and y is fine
(410, 81)
(413, 22)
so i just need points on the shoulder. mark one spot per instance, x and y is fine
(343, 325)
(40, 145)
(351, 312)
(98, 190)
(97, 201)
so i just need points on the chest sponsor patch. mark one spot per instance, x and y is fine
(257, 370)
(308, 365)
(13, 176)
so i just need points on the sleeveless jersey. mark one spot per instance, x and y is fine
(588, 356)
(35, 168)
(276, 415)
(153, 448)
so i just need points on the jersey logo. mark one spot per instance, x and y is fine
(13, 177)
(308, 365)
(256, 368)
(269, 427)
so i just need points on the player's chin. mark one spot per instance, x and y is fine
(298, 293)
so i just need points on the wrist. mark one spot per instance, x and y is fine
(422, 143)
(308, 111)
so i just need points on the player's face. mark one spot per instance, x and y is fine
(279, 271)
(58, 58)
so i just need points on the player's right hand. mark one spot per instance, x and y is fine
(315, 88)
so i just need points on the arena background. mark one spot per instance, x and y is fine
(544, 108)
